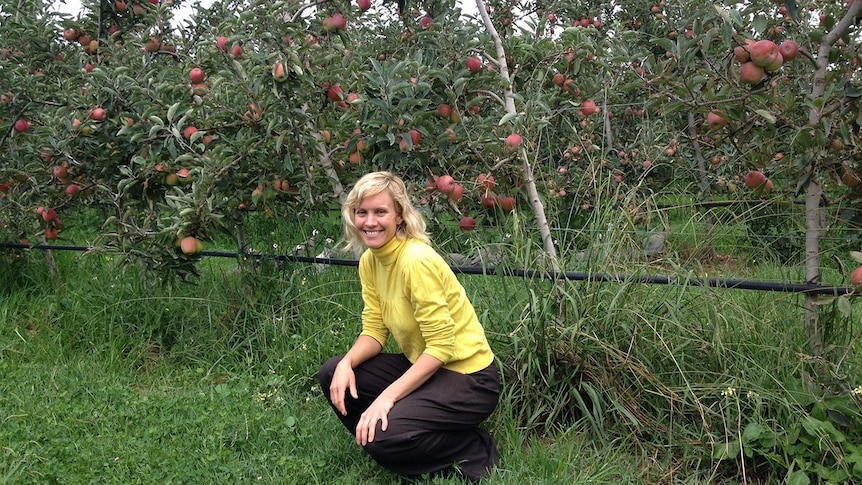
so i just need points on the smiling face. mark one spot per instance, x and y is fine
(377, 219)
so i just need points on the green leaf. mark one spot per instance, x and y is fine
(845, 307)
(760, 24)
(752, 432)
(766, 115)
(724, 451)
(798, 477)
(665, 44)
(853, 92)
(792, 8)
(172, 110)
(507, 118)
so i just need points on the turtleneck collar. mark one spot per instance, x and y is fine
(388, 253)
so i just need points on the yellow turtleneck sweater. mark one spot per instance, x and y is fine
(411, 293)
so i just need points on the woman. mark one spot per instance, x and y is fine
(416, 412)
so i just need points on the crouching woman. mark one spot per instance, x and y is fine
(418, 411)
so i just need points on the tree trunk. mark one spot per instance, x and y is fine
(528, 179)
(814, 217)
(703, 182)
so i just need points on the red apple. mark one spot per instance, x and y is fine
(190, 245)
(21, 126)
(589, 107)
(415, 137)
(200, 89)
(425, 22)
(740, 53)
(152, 45)
(473, 63)
(222, 43)
(446, 184)
(51, 233)
(856, 277)
(335, 22)
(98, 114)
(278, 72)
(196, 75)
(334, 93)
(490, 200)
(73, 189)
(189, 131)
(513, 141)
(339, 21)
(236, 51)
(485, 181)
(763, 53)
(184, 174)
(364, 4)
(789, 50)
(507, 203)
(457, 192)
(444, 110)
(467, 223)
(450, 135)
(49, 215)
(61, 172)
(751, 74)
(754, 179)
(716, 119)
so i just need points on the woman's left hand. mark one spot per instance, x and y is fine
(378, 411)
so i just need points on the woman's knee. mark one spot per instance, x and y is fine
(389, 448)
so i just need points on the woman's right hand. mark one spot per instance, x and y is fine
(344, 379)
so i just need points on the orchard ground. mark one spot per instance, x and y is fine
(111, 377)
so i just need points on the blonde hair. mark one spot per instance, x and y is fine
(413, 224)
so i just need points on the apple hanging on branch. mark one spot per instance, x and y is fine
(196, 75)
(191, 245)
(513, 141)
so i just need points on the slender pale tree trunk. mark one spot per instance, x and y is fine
(527, 176)
(814, 214)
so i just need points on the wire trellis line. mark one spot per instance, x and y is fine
(726, 283)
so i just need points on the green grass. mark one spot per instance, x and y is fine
(111, 377)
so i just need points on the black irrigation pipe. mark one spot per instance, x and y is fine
(733, 284)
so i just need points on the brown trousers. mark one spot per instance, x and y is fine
(435, 428)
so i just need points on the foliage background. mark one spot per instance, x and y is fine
(708, 383)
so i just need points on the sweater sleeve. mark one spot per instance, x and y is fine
(427, 290)
(372, 313)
